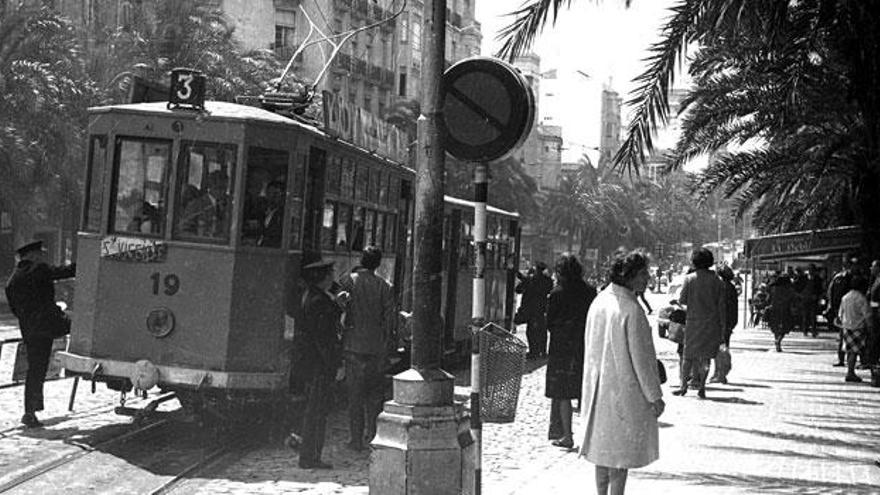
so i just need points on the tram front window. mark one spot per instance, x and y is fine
(205, 178)
(141, 171)
(265, 191)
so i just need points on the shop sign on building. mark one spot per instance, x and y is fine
(356, 125)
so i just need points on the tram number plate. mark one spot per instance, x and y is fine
(170, 283)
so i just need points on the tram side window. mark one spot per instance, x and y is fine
(375, 179)
(360, 183)
(205, 178)
(94, 197)
(140, 186)
(347, 179)
(369, 227)
(380, 230)
(357, 229)
(391, 233)
(328, 226)
(343, 226)
(333, 177)
(264, 198)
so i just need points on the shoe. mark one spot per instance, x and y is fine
(29, 420)
(716, 379)
(566, 443)
(701, 393)
(853, 378)
(863, 367)
(838, 364)
(315, 465)
(355, 446)
(680, 391)
(778, 347)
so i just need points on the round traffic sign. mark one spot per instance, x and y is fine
(488, 109)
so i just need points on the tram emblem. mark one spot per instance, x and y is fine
(133, 249)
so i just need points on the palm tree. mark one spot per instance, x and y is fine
(762, 70)
(190, 34)
(42, 115)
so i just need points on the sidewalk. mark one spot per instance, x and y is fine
(786, 423)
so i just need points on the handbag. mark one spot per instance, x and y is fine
(675, 332)
(661, 372)
(521, 316)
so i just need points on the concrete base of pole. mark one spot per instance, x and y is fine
(423, 443)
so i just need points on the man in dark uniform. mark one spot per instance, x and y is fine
(322, 357)
(31, 295)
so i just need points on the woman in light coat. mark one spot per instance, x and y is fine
(621, 387)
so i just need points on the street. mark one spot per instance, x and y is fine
(786, 423)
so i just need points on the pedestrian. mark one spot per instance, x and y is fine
(809, 296)
(321, 353)
(731, 318)
(367, 339)
(621, 386)
(854, 319)
(30, 292)
(567, 308)
(837, 287)
(703, 296)
(535, 289)
(780, 312)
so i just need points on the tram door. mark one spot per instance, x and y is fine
(314, 199)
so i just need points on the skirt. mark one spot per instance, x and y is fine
(854, 340)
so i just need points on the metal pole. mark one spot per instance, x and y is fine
(430, 186)
(478, 312)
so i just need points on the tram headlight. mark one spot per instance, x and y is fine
(160, 322)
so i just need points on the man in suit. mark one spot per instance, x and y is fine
(31, 295)
(273, 215)
(208, 214)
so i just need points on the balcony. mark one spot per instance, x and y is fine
(375, 74)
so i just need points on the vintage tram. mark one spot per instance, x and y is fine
(194, 223)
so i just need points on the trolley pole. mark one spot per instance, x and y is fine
(478, 312)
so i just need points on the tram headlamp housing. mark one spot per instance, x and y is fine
(160, 322)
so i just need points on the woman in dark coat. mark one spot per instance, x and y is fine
(780, 313)
(567, 307)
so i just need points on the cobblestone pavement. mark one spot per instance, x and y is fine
(786, 423)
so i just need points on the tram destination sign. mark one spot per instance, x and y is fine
(488, 109)
(133, 249)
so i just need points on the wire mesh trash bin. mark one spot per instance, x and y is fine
(502, 361)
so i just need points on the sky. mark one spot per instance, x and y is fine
(602, 38)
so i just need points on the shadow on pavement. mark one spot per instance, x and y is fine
(734, 400)
(796, 437)
(749, 385)
(759, 484)
(789, 454)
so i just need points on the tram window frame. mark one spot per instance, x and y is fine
(184, 175)
(334, 177)
(269, 167)
(93, 204)
(373, 188)
(296, 200)
(347, 178)
(344, 213)
(391, 234)
(328, 232)
(162, 218)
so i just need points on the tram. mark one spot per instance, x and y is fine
(194, 222)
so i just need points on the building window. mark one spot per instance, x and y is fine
(284, 36)
(416, 37)
(404, 28)
(402, 90)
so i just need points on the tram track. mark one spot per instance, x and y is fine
(154, 459)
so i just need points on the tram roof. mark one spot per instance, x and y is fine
(221, 110)
(489, 208)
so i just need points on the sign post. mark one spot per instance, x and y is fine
(489, 110)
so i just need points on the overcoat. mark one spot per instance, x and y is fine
(703, 294)
(620, 383)
(31, 295)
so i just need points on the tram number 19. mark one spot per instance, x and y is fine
(171, 283)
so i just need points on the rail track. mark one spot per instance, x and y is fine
(151, 459)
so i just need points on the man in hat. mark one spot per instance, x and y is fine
(31, 295)
(322, 356)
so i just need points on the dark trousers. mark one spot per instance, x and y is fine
(365, 388)
(39, 350)
(694, 369)
(319, 393)
(536, 334)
